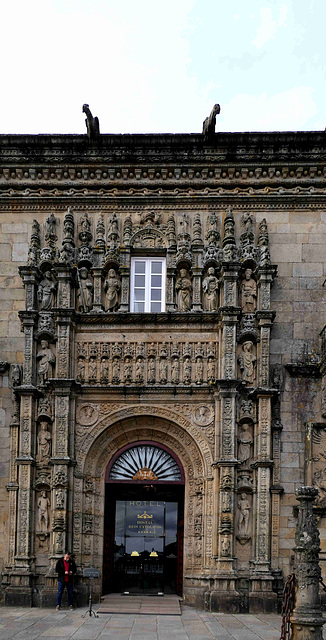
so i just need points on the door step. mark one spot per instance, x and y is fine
(141, 605)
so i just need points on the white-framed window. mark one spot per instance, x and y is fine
(147, 290)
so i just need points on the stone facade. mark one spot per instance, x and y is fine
(229, 374)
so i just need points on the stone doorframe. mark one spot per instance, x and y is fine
(129, 425)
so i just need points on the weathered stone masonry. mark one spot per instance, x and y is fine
(229, 374)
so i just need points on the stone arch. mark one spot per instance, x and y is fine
(113, 432)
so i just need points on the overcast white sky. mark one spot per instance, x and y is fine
(159, 66)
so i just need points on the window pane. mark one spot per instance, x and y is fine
(156, 294)
(156, 281)
(139, 281)
(155, 307)
(140, 294)
(139, 307)
(140, 267)
(156, 267)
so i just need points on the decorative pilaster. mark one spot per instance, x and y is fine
(197, 269)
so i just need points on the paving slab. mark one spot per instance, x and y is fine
(190, 624)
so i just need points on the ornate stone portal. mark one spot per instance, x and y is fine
(97, 377)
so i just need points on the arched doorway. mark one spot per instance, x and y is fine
(143, 522)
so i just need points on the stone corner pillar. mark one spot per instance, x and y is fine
(307, 620)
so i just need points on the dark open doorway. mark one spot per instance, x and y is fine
(143, 529)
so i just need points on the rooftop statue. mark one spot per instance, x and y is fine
(92, 123)
(210, 122)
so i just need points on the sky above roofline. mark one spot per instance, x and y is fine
(149, 67)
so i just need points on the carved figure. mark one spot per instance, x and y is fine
(81, 369)
(199, 371)
(43, 443)
(15, 375)
(59, 499)
(92, 123)
(210, 122)
(92, 369)
(248, 293)
(45, 359)
(46, 291)
(211, 371)
(50, 223)
(43, 504)
(113, 228)
(210, 288)
(104, 369)
(85, 224)
(85, 291)
(139, 373)
(116, 370)
(175, 371)
(226, 547)
(183, 288)
(226, 501)
(244, 515)
(112, 288)
(245, 441)
(163, 371)
(151, 372)
(128, 370)
(247, 362)
(187, 370)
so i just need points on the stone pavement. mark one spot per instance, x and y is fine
(37, 624)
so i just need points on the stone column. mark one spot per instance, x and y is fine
(307, 620)
(261, 596)
(224, 595)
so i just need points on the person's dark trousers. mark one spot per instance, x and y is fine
(61, 586)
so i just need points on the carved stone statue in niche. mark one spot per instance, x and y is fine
(139, 372)
(85, 224)
(245, 441)
(199, 370)
(85, 291)
(226, 501)
(92, 369)
(247, 362)
(187, 370)
(45, 359)
(116, 371)
(46, 292)
(104, 369)
(210, 371)
(175, 371)
(43, 443)
(183, 287)
(151, 370)
(163, 371)
(210, 289)
(128, 370)
(244, 515)
(112, 288)
(43, 505)
(81, 370)
(15, 375)
(226, 547)
(248, 293)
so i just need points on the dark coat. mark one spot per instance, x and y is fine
(60, 569)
